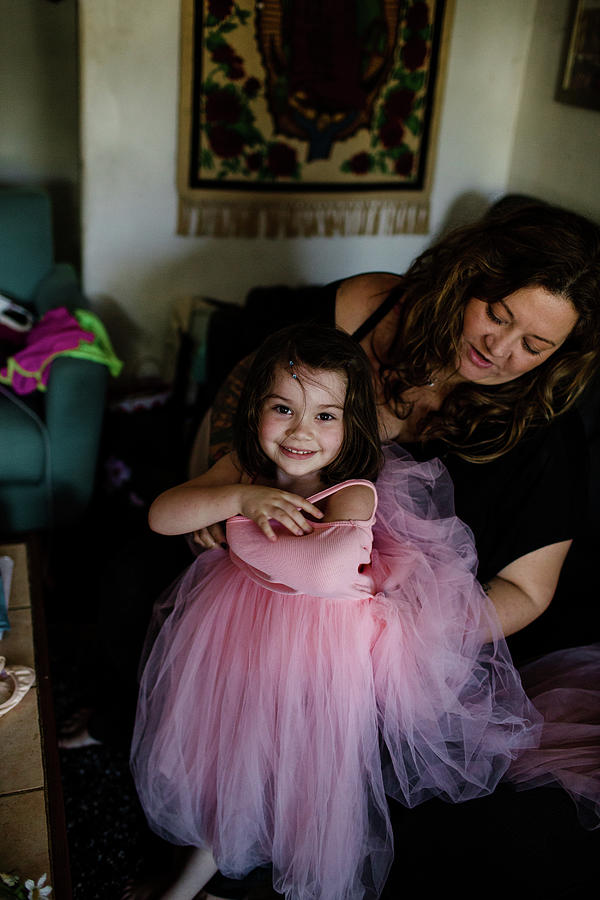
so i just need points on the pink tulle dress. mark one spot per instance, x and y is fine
(296, 683)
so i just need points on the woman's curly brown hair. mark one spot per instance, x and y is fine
(516, 245)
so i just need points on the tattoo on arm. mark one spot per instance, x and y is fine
(486, 587)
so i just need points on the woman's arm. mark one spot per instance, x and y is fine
(523, 589)
(219, 494)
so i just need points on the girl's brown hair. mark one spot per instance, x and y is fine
(313, 347)
(518, 244)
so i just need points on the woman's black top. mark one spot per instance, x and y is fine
(532, 496)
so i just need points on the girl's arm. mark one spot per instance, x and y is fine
(218, 494)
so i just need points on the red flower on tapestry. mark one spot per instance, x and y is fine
(222, 106)
(391, 134)
(236, 71)
(417, 17)
(281, 159)
(226, 55)
(360, 163)
(220, 9)
(413, 53)
(225, 141)
(404, 164)
(254, 161)
(251, 88)
(399, 104)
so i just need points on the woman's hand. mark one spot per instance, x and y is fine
(210, 537)
(263, 503)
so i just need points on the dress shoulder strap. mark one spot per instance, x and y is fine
(377, 315)
(344, 484)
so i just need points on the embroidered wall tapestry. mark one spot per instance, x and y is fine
(308, 117)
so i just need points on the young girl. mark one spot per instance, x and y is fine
(303, 674)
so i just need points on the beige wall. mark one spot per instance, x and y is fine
(134, 264)
(500, 130)
(39, 116)
(556, 152)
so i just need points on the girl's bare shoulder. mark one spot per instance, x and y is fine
(354, 502)
(357, 297)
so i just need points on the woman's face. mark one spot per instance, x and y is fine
(505, 339)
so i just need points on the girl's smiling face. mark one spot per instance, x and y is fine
(301, 426)
(505, 339)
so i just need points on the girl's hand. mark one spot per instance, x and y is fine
(263, 503)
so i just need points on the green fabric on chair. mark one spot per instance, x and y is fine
(48, 441)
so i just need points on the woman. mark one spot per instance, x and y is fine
(487, 339)
(479, 353)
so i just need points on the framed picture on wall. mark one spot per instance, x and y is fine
(579, 77)
(309, 117)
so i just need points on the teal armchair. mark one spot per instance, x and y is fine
(48, 441)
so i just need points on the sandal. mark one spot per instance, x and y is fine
(76, 722)
(74, 732)
(15, 681)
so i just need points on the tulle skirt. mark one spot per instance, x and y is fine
(565, 688)
(270, 726)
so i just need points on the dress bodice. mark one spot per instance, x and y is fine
(332, 561)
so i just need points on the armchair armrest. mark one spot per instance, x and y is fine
(60, 287)
(74, 402)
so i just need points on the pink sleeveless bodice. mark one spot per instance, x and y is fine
(331, 561)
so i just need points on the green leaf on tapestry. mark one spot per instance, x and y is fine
(206, 159)
(413, 81)
(251, 135)
(381, 164)
(231, 166)
(247, 117)
(400, 150)
(227, 26)
(242, 14)
(210, 21)
(345, 166)
(209, 86)
(214, 40)
(413, 123)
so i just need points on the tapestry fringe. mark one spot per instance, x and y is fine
(302, 219)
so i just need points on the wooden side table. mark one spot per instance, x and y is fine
(33, 837)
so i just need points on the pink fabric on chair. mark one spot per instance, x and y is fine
(55, 333)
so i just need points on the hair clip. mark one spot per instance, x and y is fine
(293, 374)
